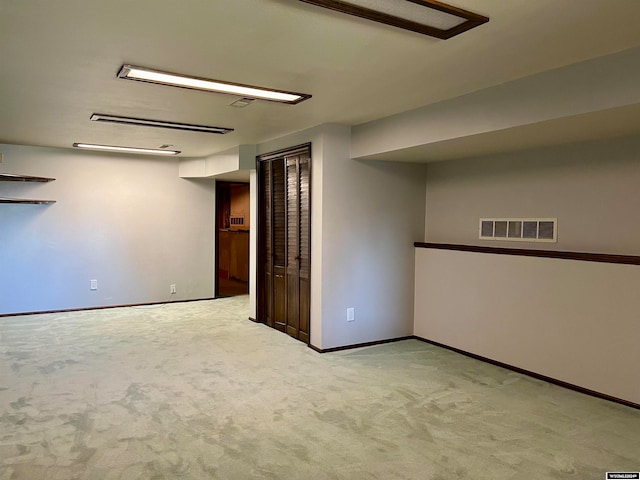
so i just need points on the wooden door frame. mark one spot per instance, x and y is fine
(216, 227)
(304, 148)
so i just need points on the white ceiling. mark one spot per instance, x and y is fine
(59, 60)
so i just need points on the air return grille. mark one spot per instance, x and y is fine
(519, 229)
(237, 220)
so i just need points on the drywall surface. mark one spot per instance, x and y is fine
(373, 212)
(590, 86)
(591, 188)
(571, 320)
(365, 217)
(128, 222)
(233, 164)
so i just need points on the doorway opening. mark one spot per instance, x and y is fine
(232, 239)
(284, 241)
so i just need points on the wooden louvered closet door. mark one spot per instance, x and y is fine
(284, 242)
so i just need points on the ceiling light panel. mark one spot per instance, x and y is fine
(142, 74)
(428, 17)
(99, 117)
(411, 11)
(112, 148)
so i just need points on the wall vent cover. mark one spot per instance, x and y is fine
(237, 220)
(519, 229)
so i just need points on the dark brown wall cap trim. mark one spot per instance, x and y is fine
(522, 252)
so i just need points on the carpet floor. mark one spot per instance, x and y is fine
(196, 391)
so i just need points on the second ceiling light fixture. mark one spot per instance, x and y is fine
(142, 74)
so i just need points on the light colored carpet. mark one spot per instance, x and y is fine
(196, 391)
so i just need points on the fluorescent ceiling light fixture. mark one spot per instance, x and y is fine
(428, 17)
(111, 148)
(99, 117)
(142, 74)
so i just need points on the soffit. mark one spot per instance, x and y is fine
(60, 61)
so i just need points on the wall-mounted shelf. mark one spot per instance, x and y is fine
(10, 177)
(25, 201)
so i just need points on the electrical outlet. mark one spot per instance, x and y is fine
(173, 288)
(94, 284)
(351, 314)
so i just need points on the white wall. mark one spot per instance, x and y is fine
(373, 213)
(128, 221)
(594, 85)
(592, 188)
(365, 217)
(232, 165)
(571, 320)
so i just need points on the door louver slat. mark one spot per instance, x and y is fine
(284, 248)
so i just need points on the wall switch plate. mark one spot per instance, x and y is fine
(0, 157)
(351, 314)
(173, 288)
(94, 284)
